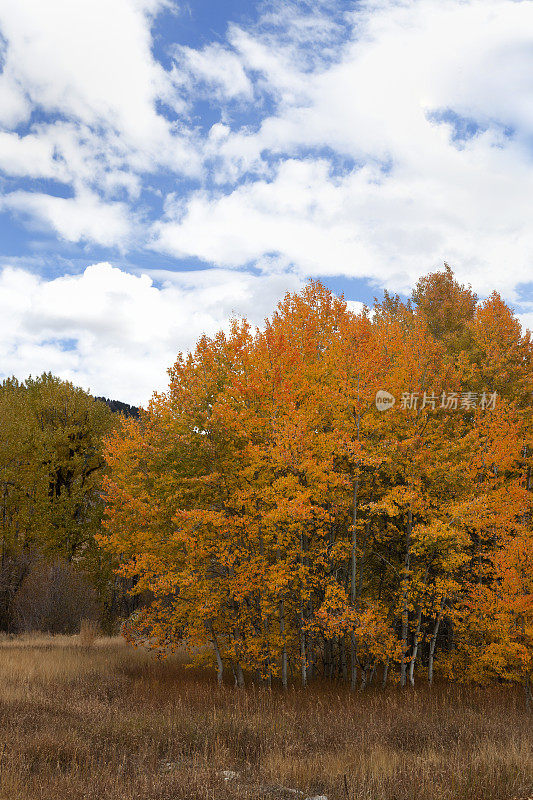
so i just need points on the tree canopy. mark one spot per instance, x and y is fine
(284, 525)
(51, 466)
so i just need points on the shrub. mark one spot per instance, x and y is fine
(54, 597)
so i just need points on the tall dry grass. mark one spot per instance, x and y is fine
(109, 722)
(89, 630)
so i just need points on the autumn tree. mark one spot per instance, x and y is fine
(284, 526)
(51, 465)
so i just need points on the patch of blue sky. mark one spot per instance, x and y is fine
(196, 24)
(464, 128)
(203, 114)
(38, 117)
(3, 51)
(339, 164)
(201, 22)
(48, 186)
(359, 289)
(208, 108)
(66, 258)
(13, 235)
(64, 344)
(140, 261)
(31, 244)
(317, 28)
(525, 293)
(42, 252)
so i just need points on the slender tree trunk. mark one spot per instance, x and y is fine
(353, 589)
(239, 676)
(264, 627)
(329, 654)
(284, 681)
(303, 649)
(365, 677)
(220, 666)
(385, 673)
(303, 654)
(344, 666)
(364, 673)
(433, 642)
(268, 659)
(405, 610)
(416, 640)
(310, 656)
(237, 669)
(361, 565)
(353, 662)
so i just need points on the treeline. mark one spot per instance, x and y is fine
(52, 573)
(119, 407)
(287, 527)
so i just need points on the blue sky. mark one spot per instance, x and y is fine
(164, 165)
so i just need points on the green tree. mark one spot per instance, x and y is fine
(51, 467)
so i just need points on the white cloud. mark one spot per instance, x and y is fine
(14, 105)
(417, 193)
(391, 228)
(30, 155)
(356, 307)
(117, 333)
(88, 59)
(359, 167)
(215, 66)
(299, 215)
(372, 139)
(75, 219)
(87, 69)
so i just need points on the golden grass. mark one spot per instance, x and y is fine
(106, 721)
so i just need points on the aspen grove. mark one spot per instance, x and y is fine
(284, 528)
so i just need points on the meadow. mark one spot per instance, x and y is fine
(84, 720)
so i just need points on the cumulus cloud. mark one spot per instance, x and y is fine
(215, 66)
(371, 139)
(389, 227)
(117, 333)
(83, 217)
(436, 148)
(29, 155)
(79, 95)
(88, 59)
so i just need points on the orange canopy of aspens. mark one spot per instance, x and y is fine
(281, 525)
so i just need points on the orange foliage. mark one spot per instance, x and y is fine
(282, 524)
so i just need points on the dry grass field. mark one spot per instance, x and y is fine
(105, 721)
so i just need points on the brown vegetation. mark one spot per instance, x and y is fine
(53, 597)
(110, 722)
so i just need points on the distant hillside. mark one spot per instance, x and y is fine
(118, 407)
